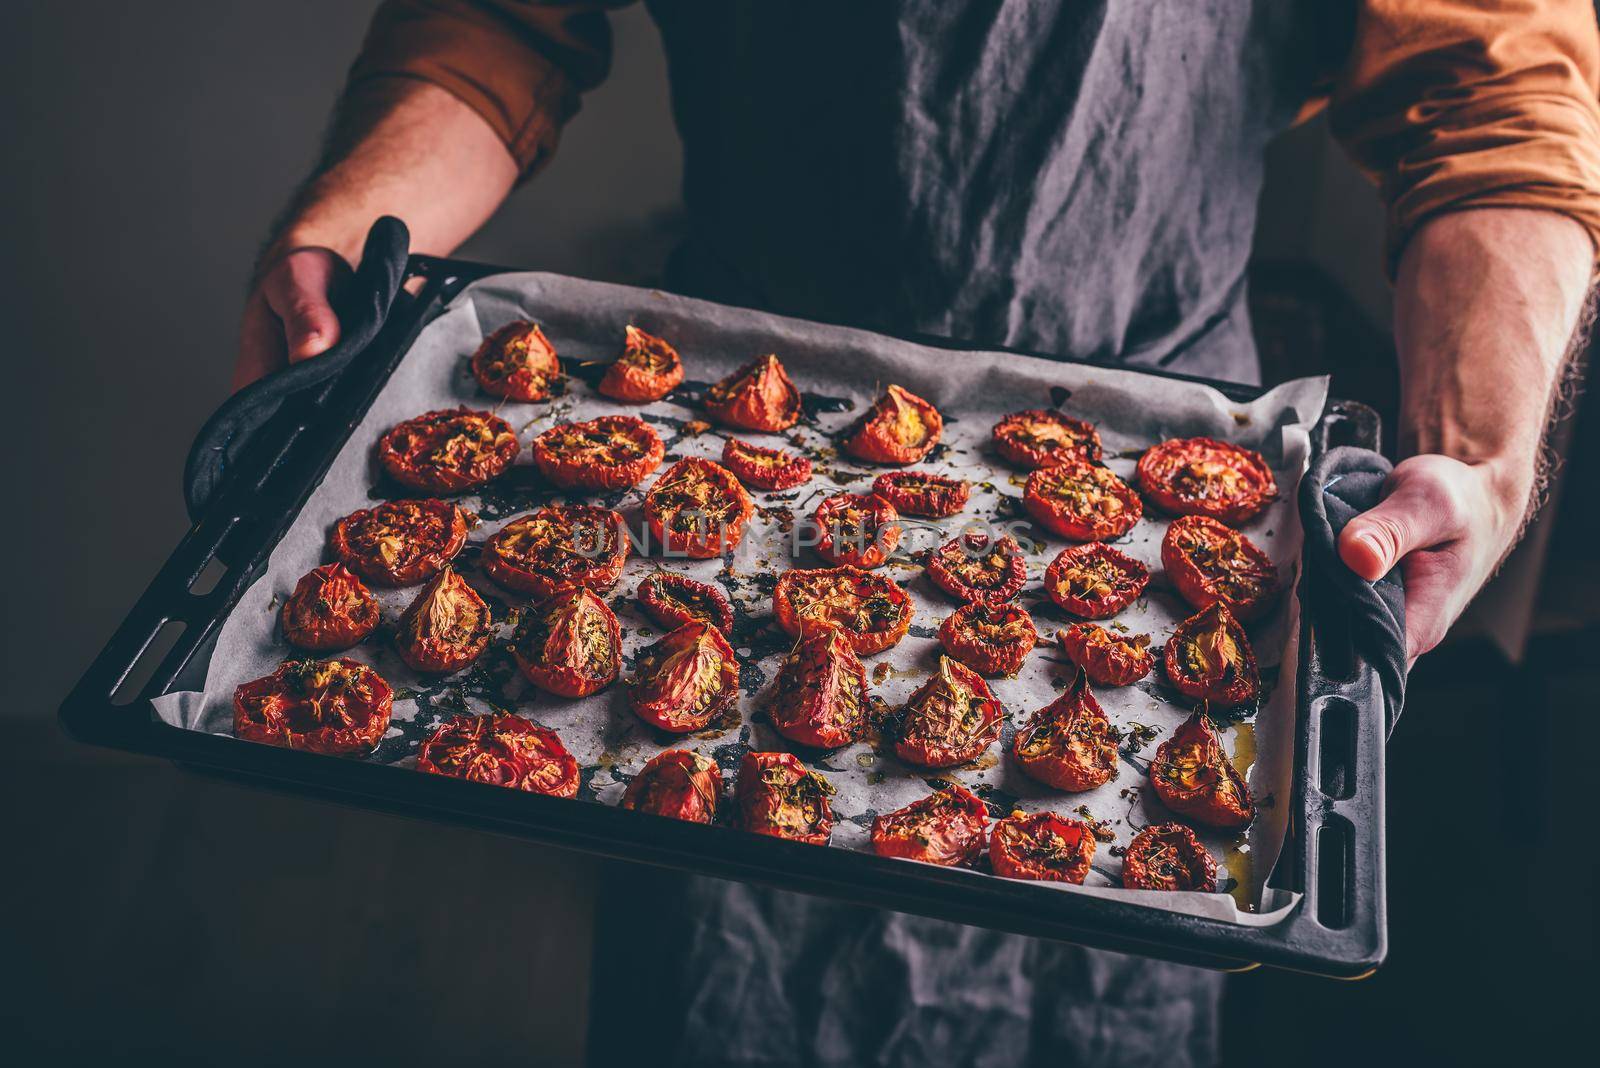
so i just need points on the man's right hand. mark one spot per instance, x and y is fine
(289, 315)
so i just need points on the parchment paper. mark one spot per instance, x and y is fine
(841, 371)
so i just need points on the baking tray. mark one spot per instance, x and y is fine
(1332, 856)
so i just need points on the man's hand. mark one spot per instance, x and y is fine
(289, 315)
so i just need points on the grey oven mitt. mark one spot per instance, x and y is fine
(362, 308)
(1343, 482)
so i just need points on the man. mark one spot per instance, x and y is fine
(1077, 178)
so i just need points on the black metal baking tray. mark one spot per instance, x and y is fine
(1334, 855)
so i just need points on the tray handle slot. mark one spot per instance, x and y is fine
(160, 642)
(1335, 903)
(1336, 748)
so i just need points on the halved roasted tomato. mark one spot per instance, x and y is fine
(991, 639)
(1209, 561)
(1081, 502)
(678, 784)
(762, 468)
(1109, 659)
(859, 530)
(778, 796)
(558, 548)
(570, 645)
(1209, 658)
(758, 396)
(899, 428)
(446, 628)
(1193, 777)
(502, 750)
(647, 370)
(1042, 846)
(697, 508)
(1094, 580)
(339, 707)
(950, 719)
(686, 679)
(329, 609)
(1167, 856)
(946, 827)
(400, 543)
(608, 453)
(518, 362)
(1042, 437)
(873, 611)
(1069, 743)
(922, 493)
(1203, 476)
(821, 695)
(976, 567)
(449, 451)
(673, 600)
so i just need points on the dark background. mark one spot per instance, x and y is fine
(148, 910)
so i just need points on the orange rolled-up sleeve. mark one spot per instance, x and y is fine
(519, 64)
(1457, 104)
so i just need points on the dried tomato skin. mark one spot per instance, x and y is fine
(555, 569)
(431, 653)
(758, 396)
(1004, 578)
(631, 378)
(1218, 796)
(443, 534)
(549, 647)
(502, 750)
(1162, 468)
(678, 784)
(569, 457)
(1015, 439)
(1107, 659)
(673, 600)
(660, 510)
(1068, 743)
(876, 438)
(947, 827)
(762, 468)
(1197, 869)
(1196, 548)
(661, 695)
(403, 451)
(1070, 521)
(963, 636)
(821, 695)
(1242, 686)
(1011, 840)
(878, 617)
(330, 609)
(517, 362)
(1128, 579)
(923, 494)
(929, 737)
(773, 792)
(265, 709)
(879, 534)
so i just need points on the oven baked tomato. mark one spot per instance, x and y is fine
(686, 679)
(400, 543)
(558, 548)
(1043, 846)
(763, 468)
(946, 827)
(329, 609)
(950, 719)
(1042, 437)
(991, 639)
(673, 600)
(778, 796)
(339, 707)
(1094, 580)
(446, 628)
(502, 750)
(1068, 743)
(899, 428)
(697, 508)
(678, 784)
(569, 645)
(1081, 502)
(517, 362)
(1193, 777)
(1107, 658)
(448, 451)
(1203, 476)
(922, 493)
(821, 695)
(758, 396)
(647, 370)
(873, 611)
(1209, 658)
(976, 567)
(1167, 856)
(608, 453)
(1209, 561)
(859, 530)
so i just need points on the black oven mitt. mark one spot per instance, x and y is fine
(1342, 483)
(362, 306)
